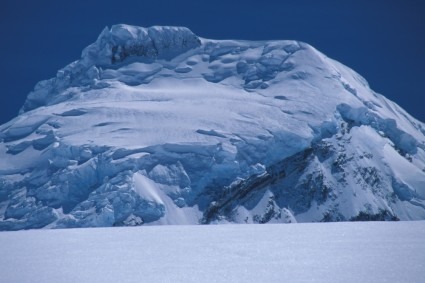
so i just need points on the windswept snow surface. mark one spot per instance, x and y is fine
(157, 125)
(322, 252)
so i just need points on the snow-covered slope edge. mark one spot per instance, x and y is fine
(158, 126)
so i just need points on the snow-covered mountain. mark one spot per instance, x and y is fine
(159, 126)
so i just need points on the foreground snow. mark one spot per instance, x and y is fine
(331, 252)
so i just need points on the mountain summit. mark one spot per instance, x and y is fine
(159, 126)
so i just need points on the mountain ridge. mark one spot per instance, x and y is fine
(158, 126)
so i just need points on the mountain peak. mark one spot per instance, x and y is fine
(113, 46)
(122, 41)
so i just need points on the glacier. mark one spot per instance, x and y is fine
(159, 126)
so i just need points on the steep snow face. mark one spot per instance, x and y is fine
(157, 126)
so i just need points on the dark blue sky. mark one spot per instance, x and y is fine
(382, 40)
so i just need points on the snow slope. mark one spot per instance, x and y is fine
(158, 126)
(325, 252)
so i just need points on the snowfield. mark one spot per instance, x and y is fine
(320, 252)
